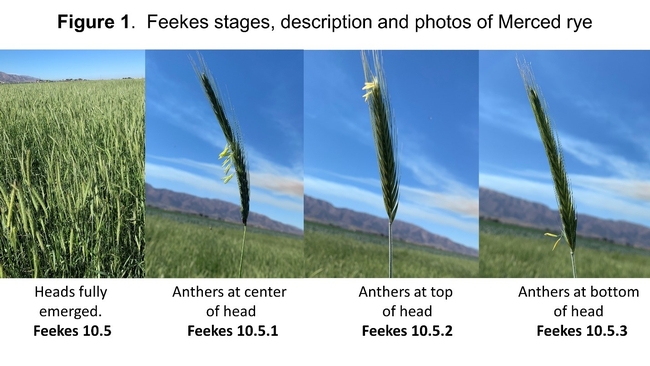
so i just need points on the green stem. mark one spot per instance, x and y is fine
(390, 249)
(241, 258)
(573, 264)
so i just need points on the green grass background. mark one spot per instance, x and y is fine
(186, 246)
(334, 252)
(72, 179)
(514, 251)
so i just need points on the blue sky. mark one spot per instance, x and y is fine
(183, 138)
(57, 65)
(434, 95)
(598, 101)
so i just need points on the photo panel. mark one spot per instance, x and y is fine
(72, 164)
(224, 164)
(564, 164)
(391, 137)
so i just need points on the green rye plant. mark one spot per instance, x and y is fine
(72, 195)
(385, 136)
(233, 153)
(551, 142)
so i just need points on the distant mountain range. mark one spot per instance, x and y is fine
(12, 79)
(214, 208)
(17, 79)
(324, 212)
(505, 208)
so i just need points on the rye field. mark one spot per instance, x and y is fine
(333, 252)
(72, 179)
(183, 245)
(515, 251)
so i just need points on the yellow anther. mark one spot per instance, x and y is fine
(369, 87)
(555, 236)
(227, 178)
(224, 152)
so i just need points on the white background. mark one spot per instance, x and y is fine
(33, 25)
(320, 321)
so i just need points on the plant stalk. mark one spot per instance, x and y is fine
(573, 264)
(384, 133)
(390, 249)
(241, 258)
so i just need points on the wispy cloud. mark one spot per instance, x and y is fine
(440, 187)
(216, 187)
(413, 203)
(189, 118)
(630, 188)
(498, 112)
(335, 87)
(288, 124)
(520, 186)
(614, 198)
(442, 192)
(190, 114)
(617, 207)
(466, 206)
(372, 182)
(626, 118)
(596, 155)
(264, 174)
(320, 187)
(436, 176)
(502, 113)
(172, 174)
(277, 178)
